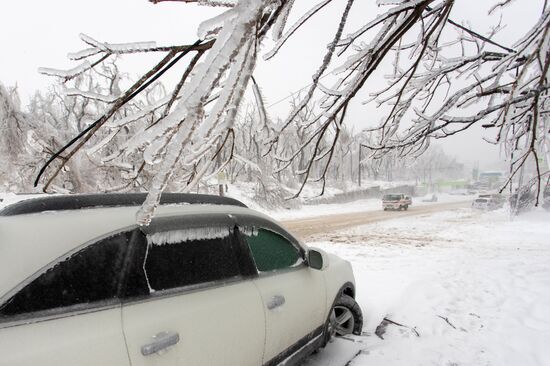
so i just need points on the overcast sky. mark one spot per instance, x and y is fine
(37, 33)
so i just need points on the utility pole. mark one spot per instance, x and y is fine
(221, 175)
(359, 164)
(360, 161)
(351, 164)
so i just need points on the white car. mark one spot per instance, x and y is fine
(488, 202)
(208, 282)
(396, 201)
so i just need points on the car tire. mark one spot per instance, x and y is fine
(345, 318)
(406, 207)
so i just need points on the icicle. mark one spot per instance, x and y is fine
(192, 234)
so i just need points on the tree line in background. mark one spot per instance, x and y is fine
(32, 134)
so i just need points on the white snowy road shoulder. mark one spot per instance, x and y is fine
(475, 286)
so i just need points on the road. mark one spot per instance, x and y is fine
(303, 228)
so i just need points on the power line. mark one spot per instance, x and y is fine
(297, 92)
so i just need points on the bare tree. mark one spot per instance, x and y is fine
(14, 125)
(509, 87)
(196, 120)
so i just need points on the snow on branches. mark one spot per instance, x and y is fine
(503, 89)
(438, 79)
(441, 72)
(190, 127)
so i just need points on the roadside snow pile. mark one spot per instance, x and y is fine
(470, 288)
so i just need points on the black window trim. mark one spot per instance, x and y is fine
(65, 311)
(59, 313)
(183, 290)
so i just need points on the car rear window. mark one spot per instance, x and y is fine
(87, 276)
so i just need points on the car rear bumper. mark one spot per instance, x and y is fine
(392, 206)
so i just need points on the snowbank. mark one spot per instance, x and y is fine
(474, 286)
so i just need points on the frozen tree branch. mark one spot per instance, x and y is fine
(445, 78)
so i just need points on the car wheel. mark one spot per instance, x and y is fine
(406, 207)
(345, 318)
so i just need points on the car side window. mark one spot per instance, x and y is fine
(87, 276)
(189, 256)
(270, 250)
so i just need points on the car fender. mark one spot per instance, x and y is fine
(339, 280)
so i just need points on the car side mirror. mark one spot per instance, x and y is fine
(317, 259)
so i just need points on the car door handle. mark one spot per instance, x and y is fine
(275, 302)
(160, 341)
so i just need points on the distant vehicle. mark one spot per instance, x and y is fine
(491, 201)
(208, 282)
(481, 204)
(433, 198)
(496, 198)
(396, 201)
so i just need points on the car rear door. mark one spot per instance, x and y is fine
(69, 313)
(188, 300)
(293, 294)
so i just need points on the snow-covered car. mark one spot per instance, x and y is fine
(481, 204)
(489, 201)
(498, 198)
(208, 282)
(396, 201)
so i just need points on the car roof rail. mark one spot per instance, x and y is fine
(81, 201)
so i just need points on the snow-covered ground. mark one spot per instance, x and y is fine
(474, 286)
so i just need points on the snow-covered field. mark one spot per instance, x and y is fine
(474, 286)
